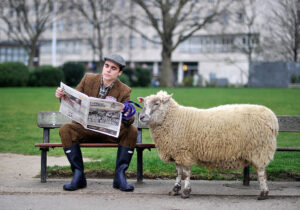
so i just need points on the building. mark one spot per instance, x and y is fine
(212, 53)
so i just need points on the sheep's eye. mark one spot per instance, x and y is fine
(156, 103)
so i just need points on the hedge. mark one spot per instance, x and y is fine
(13, 74)
(45, 76)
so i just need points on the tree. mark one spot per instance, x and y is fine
(25, 22)
(283, 40)
(97, 13)
(247, 41)
(174, 22)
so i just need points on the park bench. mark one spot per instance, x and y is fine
(53, 119)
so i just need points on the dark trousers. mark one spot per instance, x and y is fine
(75, 133)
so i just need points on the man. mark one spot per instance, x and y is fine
(106, 86)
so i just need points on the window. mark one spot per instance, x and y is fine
(132, 42)
(111, 23)
(196, 17)
(109, 43)
(122, 3)
(240, 15)
(14, 53)
(11, 12)
(70, 25)
(207, 43)
(60, 25)
(121, 42)
(225, 17)
(156, 39)
(132, 20)
(79, 25)
(144, 42)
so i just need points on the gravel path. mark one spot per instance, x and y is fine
(15, 166)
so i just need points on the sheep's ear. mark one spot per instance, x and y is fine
(166, 99)
(141, 99)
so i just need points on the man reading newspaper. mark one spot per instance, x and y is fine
(105, 86)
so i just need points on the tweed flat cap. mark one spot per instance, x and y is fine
(116, 58)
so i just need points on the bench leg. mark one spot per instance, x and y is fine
(44, 164)
(246, 180)
(139, 164)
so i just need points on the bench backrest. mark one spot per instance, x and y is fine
(54, 119)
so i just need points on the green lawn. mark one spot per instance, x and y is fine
(19, 132)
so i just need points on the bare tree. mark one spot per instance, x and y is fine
(283, 40)
(174, 22)
(96, 13)
(247, 40)
(25, 21)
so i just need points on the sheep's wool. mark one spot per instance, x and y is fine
(223, 137)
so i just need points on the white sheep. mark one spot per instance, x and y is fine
(223, 137)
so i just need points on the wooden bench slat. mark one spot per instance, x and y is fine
(93, 145)
(289, 123)
(52, 145)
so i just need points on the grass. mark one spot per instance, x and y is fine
(19, 132)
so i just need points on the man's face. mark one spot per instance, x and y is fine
(110, 71)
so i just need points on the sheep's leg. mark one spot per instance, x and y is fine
(262, 180)
(177, 186)
(187, 186)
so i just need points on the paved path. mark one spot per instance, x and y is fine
(25, 192)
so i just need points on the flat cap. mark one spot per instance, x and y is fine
(116, 58)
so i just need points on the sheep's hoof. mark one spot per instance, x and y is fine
(263, 195)
(186, 193)
(175, 190)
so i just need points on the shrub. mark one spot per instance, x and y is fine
(188, 81)
(129, 72)
(73, 72)
(13, 74)
(125, 79)
(138, 77)
(294, 78)
(143, 77)
(45, 76)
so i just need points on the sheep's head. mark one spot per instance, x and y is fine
(155, 108)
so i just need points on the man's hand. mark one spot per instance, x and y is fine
(125, 114)
(59, 93)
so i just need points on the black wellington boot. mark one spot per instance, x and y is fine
(123, 160)
(74, 156)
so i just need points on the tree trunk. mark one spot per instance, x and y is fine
(31, 55)
(166, 77)
(100, 49)
(32, 51)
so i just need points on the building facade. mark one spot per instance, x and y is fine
(214, 53)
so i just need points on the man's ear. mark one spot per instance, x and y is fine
(120, 72)
(141, 99)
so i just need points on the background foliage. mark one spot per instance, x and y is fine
(13, 74)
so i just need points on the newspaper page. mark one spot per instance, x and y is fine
(74, 104)
(100, 115)
(105, 116)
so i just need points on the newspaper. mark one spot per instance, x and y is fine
(100, 115)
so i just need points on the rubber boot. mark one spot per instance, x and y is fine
(124, 156)
(74, 156)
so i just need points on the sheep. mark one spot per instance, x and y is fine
(223, 137)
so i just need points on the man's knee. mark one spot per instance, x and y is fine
(128, 138)
(68, 135)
